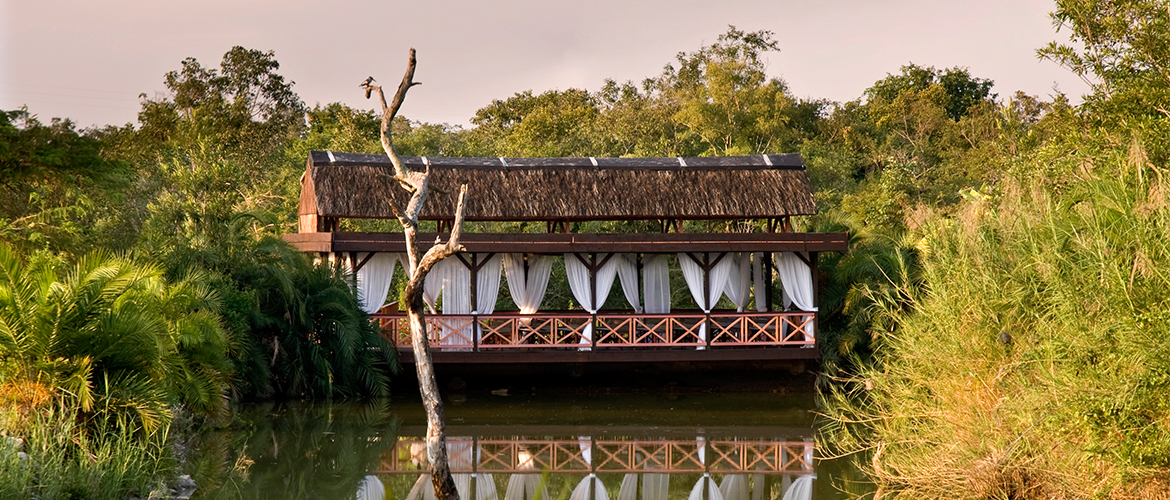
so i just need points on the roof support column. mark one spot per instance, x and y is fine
(593, 300)
(816, 285)
(768, 279)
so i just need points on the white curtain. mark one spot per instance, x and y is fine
(432, 284)
(629, 488)
(373, 280)
(758, 286)
(527, 290)
(456, 286)
(371, 488)
(655, 486)
(693, 274)
(525, 487)
(485, 487)
(713, 492)
(796, 278)
(487, 283)
(801, 489)
(422, 489)
(578, 276)
(627, 269)
(656, 282)
(581, 492)
(717, 280)
(734, 487)
(739, 285)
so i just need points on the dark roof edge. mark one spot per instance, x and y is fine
(787, 161)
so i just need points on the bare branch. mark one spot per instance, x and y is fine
(439, 252)
(388, 113)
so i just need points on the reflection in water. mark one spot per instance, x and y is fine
(294, 452)
(351, 451)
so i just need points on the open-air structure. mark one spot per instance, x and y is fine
(757, 194)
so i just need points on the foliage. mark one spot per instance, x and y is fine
(1037, 348)
(105, 460)
(726, 101)
(1121, 49)
(111, 335)
(53, 182)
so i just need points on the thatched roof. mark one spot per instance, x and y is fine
(531, 189)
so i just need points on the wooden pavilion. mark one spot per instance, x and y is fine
(765, 189)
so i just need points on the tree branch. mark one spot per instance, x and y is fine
(388, 114)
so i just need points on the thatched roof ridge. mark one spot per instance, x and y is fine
(730, 187)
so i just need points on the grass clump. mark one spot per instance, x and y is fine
(1035, 360)
(49, 452)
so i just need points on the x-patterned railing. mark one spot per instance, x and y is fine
(523, 455)
(564, 330)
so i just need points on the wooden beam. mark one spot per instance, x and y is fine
(604, 355)
(363, 262)
(552, 244)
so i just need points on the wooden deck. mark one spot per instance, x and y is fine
(563, 337)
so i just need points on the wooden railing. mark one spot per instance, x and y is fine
(563, 330)
(523, 455)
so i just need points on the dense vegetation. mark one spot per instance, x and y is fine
(998, 328)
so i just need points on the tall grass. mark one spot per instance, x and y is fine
(72, 459)
(1036, 363)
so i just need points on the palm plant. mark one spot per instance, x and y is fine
(112, 335)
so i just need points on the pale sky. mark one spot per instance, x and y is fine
(90, 60)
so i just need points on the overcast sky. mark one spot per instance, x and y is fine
(90, 60)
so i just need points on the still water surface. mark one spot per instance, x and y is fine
(524, 447)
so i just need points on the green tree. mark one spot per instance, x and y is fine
(57, 191)
(726, 99)
(554, 123)
(1120, 48)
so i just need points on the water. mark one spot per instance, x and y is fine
(756, 446)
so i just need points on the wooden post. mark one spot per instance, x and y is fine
(816, 285)
(638, 279)
(596, 307)
(768, 279)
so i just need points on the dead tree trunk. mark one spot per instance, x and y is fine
(416, 183)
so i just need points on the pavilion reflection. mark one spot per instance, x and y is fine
(608, 463)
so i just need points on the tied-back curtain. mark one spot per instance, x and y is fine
(627, 269)
(713, 492)
(716, 280)
(758, 286)
(739, 286)
(796, 278)
(801, 489)
(432, 284)
(373, 280)
(527, 290)
(693, 274)
(526, 487)
(579, 283)
(656, 282)
(581, 492)
(371, 488)
(487, 283)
